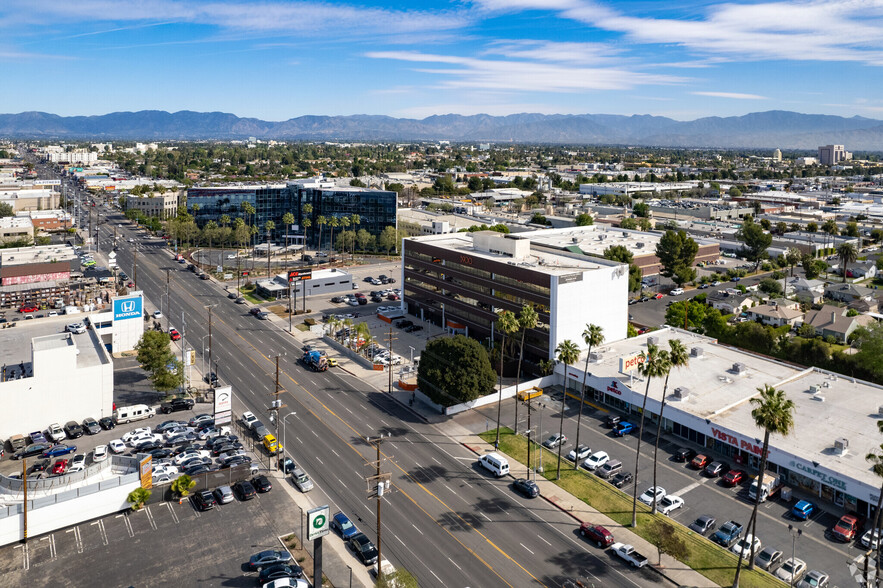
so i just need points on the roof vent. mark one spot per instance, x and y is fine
(815, 389)
(697, 352)
(652, 341)
(596, 356)
(739, 369)
(682, 393)
(841, 445)
(880, 410)
(574, 240)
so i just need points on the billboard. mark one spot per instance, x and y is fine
(223, 405)
(627, 364)
(146, 470)
(127, 307)
(299, 275)
(317, 522)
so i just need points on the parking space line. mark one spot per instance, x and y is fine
(52, 551)
(150, 518)
(129, 526)
(79, 539)
(100, 524)
(172, 510)
(25, 559)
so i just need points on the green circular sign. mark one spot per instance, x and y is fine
(319, 521)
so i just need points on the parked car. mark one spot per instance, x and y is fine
(597, 534)
(733, 477)
(99, 453)
(223, 494)
(613, 420)
(647, 496)
(743, 547)
(554, 441)
(91, 426)
(768, 559)
(204, 500)
(174, 334)
(728, 534)
(57, 450)
(31, 450)
(871, 539)
(261, 484)
(278, 571)
(244, 490)
(201, 419)
(176, 404)
(802, 510)
(364, 549)
(703, 525)
(684, 454)
(59, 467)
(716, 468)
(847, 527)
(268, 558)
(700, 462)
(623, 429)
(116, 445)
(581, 452)
(106, 423)
(38, 437)
(669, 503)
(596, 460)
(621, 479)
(527, 487)
(301, 480)
(814, 579)
(343, 525)
(56, 433)
(792, 570)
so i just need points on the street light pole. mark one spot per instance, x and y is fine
(795, 533)
(283, 429)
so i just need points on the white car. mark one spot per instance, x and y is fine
(136, 433)
(53, 313)
(165, 469)
(596, 460)
(78, 463)
(581, 452)
(181, 458)
(175, 431)
(116, 445)
(56, 433)
(871, 539)
(157, 314)
(99, 453)
(743, 546)
(676, 292)
(231, 256)
(161, 479)
(143, 438)
(76, 328)
(301, 480)
(647, 496)
(669, 503)
(792, 569)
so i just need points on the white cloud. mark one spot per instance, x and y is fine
(553, 51)
(734, 95)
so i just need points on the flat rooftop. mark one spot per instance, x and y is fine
(594, 239)
(41, 254)
(16, 342)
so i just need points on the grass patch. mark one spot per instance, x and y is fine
(707, 558)
(249, 294)
(302, 327)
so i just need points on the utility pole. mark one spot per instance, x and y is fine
(277, 405)
(390, 366)
(135, 268)
(24, 481)
(168, 308)
(377, 485)
(210, 307)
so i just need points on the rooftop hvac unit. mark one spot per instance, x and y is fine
(652, 341)
(596, 356)
(880, 409)
(682, 393)
(740, 368)
(639, 245)
(826, 384)
(841, 444)
(697, 352)
(624, 234)
(574, 240)
(815, 389)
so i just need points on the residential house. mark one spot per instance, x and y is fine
(851, 294)
(776, 314)
(833, 320)
(729, 302)
(862, 269)
(809, 291)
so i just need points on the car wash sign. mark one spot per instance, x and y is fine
(128, 307)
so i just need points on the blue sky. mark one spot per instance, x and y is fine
(279, 59)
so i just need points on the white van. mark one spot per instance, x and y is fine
(495, 463)
(136, 412)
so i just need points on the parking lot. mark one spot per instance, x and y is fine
(165, 543)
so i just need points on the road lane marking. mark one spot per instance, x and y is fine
(544, 541)
(455, 564)
(528, 550)
(487, 518)
(692, 486)
(418, 530)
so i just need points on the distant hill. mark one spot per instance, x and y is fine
(776, 128)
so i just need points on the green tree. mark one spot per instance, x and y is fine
(734, 192)
(677, 358)
(182, 485)
(847, 253)
(830, 227)
(593, 335)
(770, 286)
(154, 350)
(714, 324)
(641, 209)
(474, 184)
(667, 541)
(812, 227)
(138, 497)
(507, 325)
(6, 210)
(321, 221)
(694, 310)
(568, 354)
(209, 232)
(628, 223)
(869, 342)
(755, 242)
(851, 229)
(169, 377)
(583, 220)
(454, 370)
(676, 252)
(656, 363)
(388, 239)
(774, 413)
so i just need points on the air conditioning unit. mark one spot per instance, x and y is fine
(697, 352)
(596, 356)
(682, 393)
(740, 369)
(841, 445)
(652, 341)
(880, 410)
(815, 389)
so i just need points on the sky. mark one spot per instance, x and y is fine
(280, 59)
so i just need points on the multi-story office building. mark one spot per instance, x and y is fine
(155, 204)
(833, 154)
(376, 208)
(462, 280)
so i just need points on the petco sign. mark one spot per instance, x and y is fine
(127, 308)
(627, 364)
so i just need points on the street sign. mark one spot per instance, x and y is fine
(299, 275)
(317, 522)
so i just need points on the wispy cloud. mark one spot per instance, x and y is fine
(733, 95)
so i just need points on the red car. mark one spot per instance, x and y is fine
(700, 461)
(130, 285)
(733, 477)
(174, 334)
(60, 467)
(392, 296)
(596, 534)
(658, 296)
(847, 528)
(29, 308)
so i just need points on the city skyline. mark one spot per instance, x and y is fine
(277, 60)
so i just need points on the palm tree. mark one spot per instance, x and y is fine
(307, 224)
(876, 461)
(507, 324)
(306, 221)
(774, 414)
(847, 254)
(224, 220)
(287, 221)
(356, 220)
(269, 226)
(344, 225)
(655, 365)
(333, 222)
(677, 357)
(568, 353)
(527, 319)
(593, 335)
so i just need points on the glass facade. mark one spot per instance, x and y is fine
(376, 209)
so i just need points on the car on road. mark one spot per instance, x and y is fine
(240, 300)
(267, 558)
(743, 547)
(364, 549)
(669, 503)
(99, 453)
(623, 429)
(596, 460)
(244, 490)
(527, 487)
(57, 450)
(279, 571)
(802, 510)
(703, 525)
(344, 526)
(204, 500)
(657, 296)
(769, 558)
(581, 452)
(716, 468)
(621, 479)
(733, 477)
(91, 426)
(647, 496)
(174, 334)
(301, 480)
(554, 441)
(814, 579)
(31, 450)
(676, 292)
(792, 570)
(597, 534)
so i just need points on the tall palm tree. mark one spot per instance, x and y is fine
(677, 357)
(593, 335)
(876, 461)
(847, 254)
(332, 222)
(774, 414)
(321, 222)
(287, 221)
(507, 324)
(568, 354)
(307, 222)
(527, 319)
(224, 219)
(344, 225)
(356, 220)
(269, 226)
(547, 366)
(656, 364)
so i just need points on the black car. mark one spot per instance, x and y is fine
(404, 324)
(161, 453)
(231, 295)
(225, 448)
(221, 440)
(337, 299)
(716, 468)
(196, 470)
(204, 276)
(106, 423)
(621, 479)
(261, 484)
(703, 525)
(376, 298)
(244, 490)
(91, 426)
(204, 500)
(280, 571)
(176, 404)
(40, 465)
(364, 549)
(255, 311)
(527, 487)
(147, 446)
(684, 454)
(613, 420)
(368, 279)
(235, 461)
(31, 450)
(73, 430)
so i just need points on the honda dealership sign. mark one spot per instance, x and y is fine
(129, 307)
(128, 321)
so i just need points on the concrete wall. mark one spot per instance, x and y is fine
(495, 396)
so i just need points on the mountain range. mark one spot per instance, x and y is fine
(760, 130)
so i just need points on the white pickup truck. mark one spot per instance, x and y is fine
(248, 419)
(628, 553)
